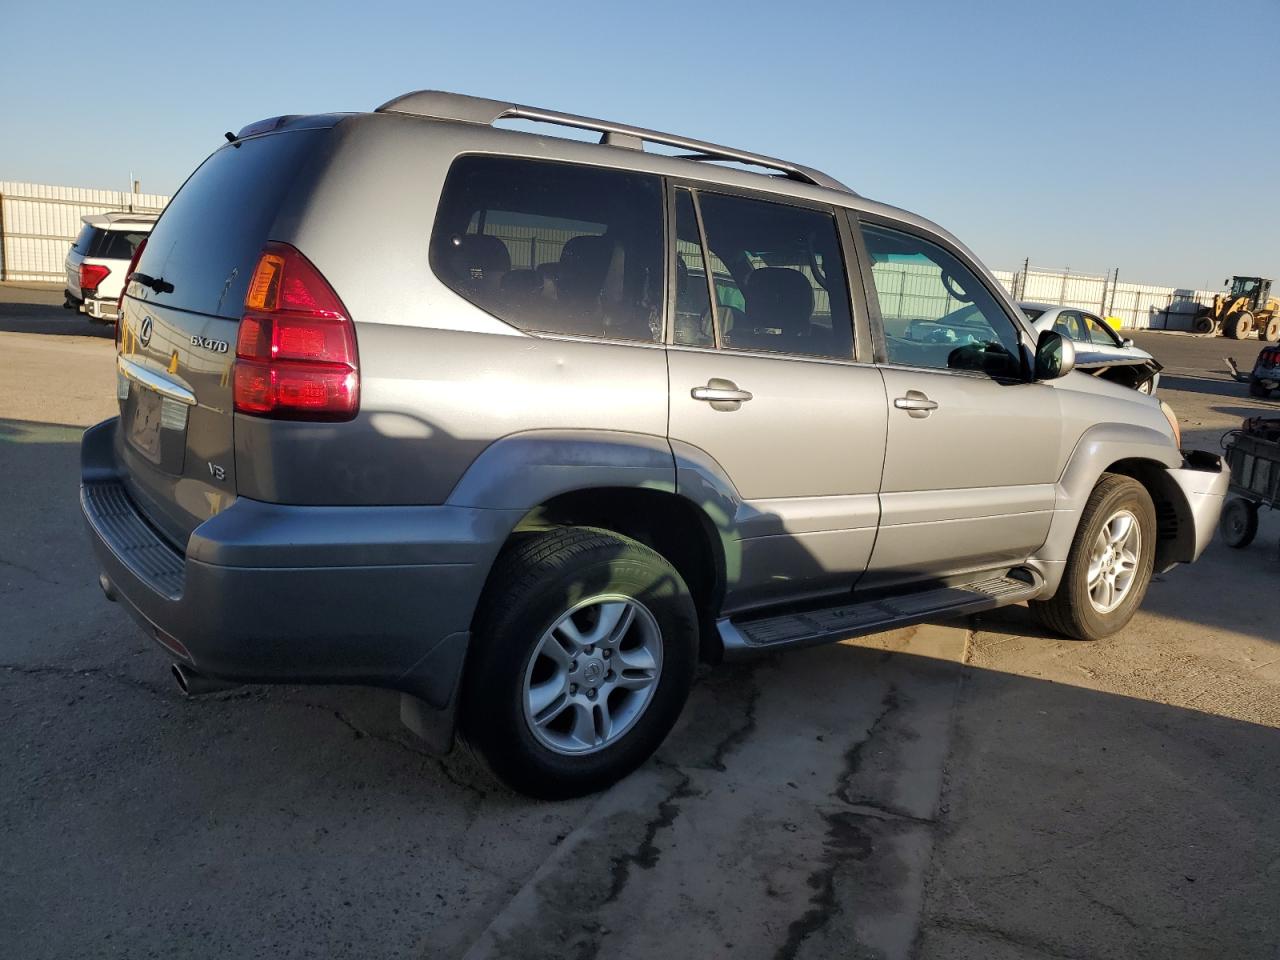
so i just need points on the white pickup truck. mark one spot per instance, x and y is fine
(97, 261)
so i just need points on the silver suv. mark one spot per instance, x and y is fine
(524, 427)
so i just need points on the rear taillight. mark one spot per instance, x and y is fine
(92, 274)
(296, 349)
(133, 265)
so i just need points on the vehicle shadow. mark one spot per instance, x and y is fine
(52, 320)
(1213, 388)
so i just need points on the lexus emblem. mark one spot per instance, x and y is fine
(144, 332)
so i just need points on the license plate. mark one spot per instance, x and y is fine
(144, 432)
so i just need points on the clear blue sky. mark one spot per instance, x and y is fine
(1089, 135)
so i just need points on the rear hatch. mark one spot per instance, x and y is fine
(177, 336)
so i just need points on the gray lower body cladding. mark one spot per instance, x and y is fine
(270, 593)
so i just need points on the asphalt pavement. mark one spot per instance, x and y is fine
(973, 789)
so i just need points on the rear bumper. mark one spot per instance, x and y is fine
(100, 309)
(269, 593)
(1269, 377)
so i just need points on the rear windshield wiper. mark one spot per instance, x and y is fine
(158, 284)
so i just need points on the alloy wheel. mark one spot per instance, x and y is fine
(1113, 561)
(592, 674)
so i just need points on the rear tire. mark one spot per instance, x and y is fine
(1203, 324)
(1123, 555)
(1271, 332)
(525, 707)
(1239, 325)
(1239, 522)
(1256, 389)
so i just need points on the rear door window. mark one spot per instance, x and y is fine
(779, 277)
(554, 247)
(1071, 325)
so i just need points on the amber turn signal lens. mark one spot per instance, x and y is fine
(264, 288)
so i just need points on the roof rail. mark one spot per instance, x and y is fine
(439, 105)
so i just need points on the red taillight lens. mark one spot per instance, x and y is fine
(92, 274)
(133, 265)
(296, 349)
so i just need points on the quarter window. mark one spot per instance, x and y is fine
(554, 247)
(936, 312)
(779, 277)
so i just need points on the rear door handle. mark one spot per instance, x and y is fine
(916, 404)
(720, 391)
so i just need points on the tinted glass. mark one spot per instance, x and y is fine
(1070, 324)
(116, 244)
(208, 239)
(1031, 313)
(936, 311)
(693, 325)
(779, 277)
(554, 247)
(84, 242)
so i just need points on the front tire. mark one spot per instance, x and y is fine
(583, 654)
(1110, 563)
(1239, 325)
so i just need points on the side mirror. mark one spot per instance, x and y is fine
(1127, 342)
(1055, 356)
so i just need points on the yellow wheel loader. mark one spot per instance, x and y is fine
(1247, 309)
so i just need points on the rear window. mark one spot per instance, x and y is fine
(84, 242)
(208, 239)
(115, 244)
(554, 247)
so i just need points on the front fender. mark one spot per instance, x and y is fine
(1099, 449)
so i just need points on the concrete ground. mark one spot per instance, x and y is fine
(971, 790)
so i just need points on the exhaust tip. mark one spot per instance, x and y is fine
(192, 683)
(108, 590)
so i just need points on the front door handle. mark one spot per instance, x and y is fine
(718, 391)
(916, 404)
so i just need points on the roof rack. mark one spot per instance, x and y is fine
(439, 105)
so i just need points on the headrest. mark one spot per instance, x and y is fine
(477, 258)
(586, 255)
(779, 297)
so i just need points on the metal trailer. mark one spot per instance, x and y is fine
(1253, 454)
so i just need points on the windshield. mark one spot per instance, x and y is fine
(1244, 286)
(1032, 313)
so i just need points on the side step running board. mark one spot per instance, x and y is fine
(743, 638)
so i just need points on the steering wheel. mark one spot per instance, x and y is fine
(956, 292)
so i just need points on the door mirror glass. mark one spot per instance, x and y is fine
(1055, 356)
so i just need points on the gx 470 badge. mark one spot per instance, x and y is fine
(217, 346)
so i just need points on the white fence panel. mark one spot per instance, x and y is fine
(39, 221)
